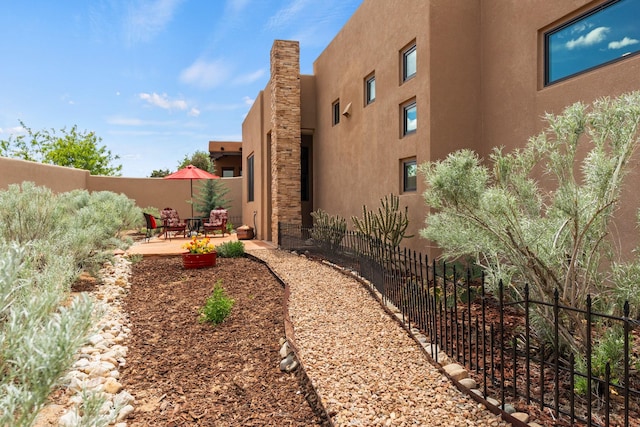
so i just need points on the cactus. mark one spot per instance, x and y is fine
(389, 224)
(328, 229)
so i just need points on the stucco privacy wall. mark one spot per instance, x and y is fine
(147, 192)
(57, 178)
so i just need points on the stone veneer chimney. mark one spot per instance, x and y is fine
(285, 134)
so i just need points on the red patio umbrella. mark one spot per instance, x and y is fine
(191, 172)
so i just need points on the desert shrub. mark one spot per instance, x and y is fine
(555, 236)
(217, 307)
(45, 240)
(230, 249)
(38, 334)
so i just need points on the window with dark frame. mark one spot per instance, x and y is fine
(335, 108)
(370, 89)
(409, 175)
(409, 118)
(228, 172)
(305, 183)
(409, 63)
(606, 34)
(250, 178)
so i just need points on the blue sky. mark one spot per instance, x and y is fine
(155, 79)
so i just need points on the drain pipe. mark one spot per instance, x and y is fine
(255, 228)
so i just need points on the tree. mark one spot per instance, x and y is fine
(159, 173)
(553, 235)
(212, 191)
(71, 148)
(212, 195)
(199, 159)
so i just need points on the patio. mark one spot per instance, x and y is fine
(159, 246)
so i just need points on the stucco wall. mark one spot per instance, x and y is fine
(57, 178)
(254, 143)
(147, 192)
(513, 94)
(358, 161)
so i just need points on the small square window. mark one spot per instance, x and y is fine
(228, 172)
(370, 89)
(409, 175)
(409, 63)
(335, 108)
(409, 118)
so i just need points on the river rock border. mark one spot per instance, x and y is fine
(96, 368)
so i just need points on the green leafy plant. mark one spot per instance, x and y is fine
(217, 307)
(608, 350)
(388, 224)
(231, 249)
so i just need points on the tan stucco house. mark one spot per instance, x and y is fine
(405, 82)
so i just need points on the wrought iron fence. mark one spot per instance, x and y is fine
(494, 339)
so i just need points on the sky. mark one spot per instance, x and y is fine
(156, 80)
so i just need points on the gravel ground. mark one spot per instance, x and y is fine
(364, 366)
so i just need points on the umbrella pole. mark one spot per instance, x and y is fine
(191, 183)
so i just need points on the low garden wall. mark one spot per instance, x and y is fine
(147, 192)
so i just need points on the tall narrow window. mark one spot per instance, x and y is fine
(608, 33)
(335, 110)
(409, 63)
(250, 178)
(370, 89)
(409, 175)
(409, 118)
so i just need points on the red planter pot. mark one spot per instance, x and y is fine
(190, 260)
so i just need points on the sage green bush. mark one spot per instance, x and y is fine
(46, 239)
(554, 235)
(230, 249)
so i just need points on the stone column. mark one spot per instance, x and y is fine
(285, 135)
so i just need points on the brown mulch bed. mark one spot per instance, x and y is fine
(186, 373)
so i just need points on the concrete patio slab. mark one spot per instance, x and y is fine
(159, 246)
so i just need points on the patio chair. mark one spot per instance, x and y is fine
(217, 221)
(153, 223)
(171, 223)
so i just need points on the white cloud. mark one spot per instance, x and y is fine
(286, 15)
(249, 78)
(149, 19)
(194, 112)
(594, 36)
(163, 101)
(248, 101)
(132, 121)
(12, 131)
(622, 43)
(206, 75)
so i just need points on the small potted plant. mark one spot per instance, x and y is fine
(200, 253)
